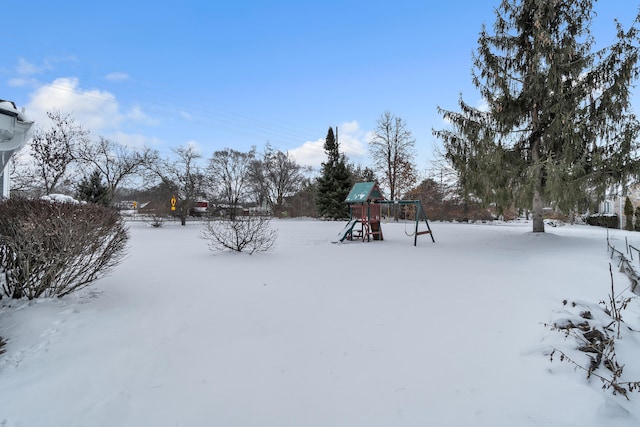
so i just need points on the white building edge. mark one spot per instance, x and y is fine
(15, 131)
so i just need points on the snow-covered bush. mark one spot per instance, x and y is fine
(597, 330)
(155, 220)
(250, 233)
(50, 249)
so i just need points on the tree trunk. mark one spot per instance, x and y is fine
(538, 202)
(538, 186)
(538, 220)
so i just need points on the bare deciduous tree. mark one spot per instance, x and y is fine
(115, 162)
(282, 177)
(23, 179)
(228, 175)
(55, 149)
(257, 183)
(183, 177)
(392, 149)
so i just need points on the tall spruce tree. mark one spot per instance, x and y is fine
(334, 182)
(558, 127)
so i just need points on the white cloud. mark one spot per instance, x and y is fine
(117, 77)
(311, 153)
(350, 127)
(95, 110)
(19, 82)
(352, 140)
(136, 114)
(26, 68)
(26, 72)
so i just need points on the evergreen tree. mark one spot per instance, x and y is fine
(628, 214)
(557, 125)
(637, 218)
(361, 174)
(91, 189)
(334, 182)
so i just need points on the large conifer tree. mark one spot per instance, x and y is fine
(558, 126)
(334, 182)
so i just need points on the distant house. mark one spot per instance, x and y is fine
(613, 204)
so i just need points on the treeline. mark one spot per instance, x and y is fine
(65, 159)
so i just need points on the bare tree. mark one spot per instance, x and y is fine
(228, 174)
(183, 176)
(55, 149)
(23, 178)
(115, 162)
(392, 149)
(257, 182)
(282, 177)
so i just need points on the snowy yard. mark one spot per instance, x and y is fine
(315, 334)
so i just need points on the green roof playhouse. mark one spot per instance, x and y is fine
(365, 200)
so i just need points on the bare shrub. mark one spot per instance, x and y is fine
(155, 220)
(250, 233)
(52, 249)
(596, 331)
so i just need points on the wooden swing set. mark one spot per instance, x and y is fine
(365, 200)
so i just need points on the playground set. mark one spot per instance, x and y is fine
(365, 201)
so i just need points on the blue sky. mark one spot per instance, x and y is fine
(242, 73)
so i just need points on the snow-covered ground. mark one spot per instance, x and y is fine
(317, 334)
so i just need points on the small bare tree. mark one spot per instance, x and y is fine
(54, 150)
(246, 233)
(52, 249)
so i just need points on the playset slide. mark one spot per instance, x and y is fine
(346, 230)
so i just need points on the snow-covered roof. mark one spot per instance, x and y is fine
(15, 131)
(8, 108)
(364, 192)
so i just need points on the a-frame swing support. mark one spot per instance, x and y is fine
(420, 214)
